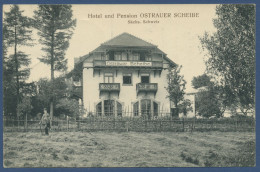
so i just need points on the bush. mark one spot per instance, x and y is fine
(68, 107)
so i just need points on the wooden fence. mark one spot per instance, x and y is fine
(134, 124)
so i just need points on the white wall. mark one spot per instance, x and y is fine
(128, 94)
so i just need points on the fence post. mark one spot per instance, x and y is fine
(67, 123)
(13, 124)
(18, 123)
(145, 124)
(161, 125)
(26, 124)
(171, 123)
(126, 126)
(102, 123)
(78, 123)
(183, 125)
(114, 123)
(236, 124)
(193, 124)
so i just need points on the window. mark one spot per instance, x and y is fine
(142, 57)
(109, 107)
(104, 56)
(118, 56)
(108, 78)
(146, 108)
(155, 109)
(111, 55)
(148, 58)
(136, 109)
(127, 79)
(135, 57)
(145, 78)
(124, 56)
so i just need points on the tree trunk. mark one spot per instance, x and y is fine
(177, 109)
(16, 70)
(26, 124)
(51, 103)
(52, 75)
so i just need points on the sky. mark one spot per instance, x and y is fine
(178, 37)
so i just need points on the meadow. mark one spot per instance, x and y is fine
(129, 149)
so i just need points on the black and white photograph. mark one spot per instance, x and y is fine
(128, 85)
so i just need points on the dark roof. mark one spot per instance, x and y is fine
(123, 40)
(127, 40)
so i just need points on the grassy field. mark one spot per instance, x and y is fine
(111, 149)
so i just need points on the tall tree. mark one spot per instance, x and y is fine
(176, 86)
(16, 33)
(55, 25)
(9, 90)
(231, 53)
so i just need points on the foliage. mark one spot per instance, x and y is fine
(9, 97)
(185, 107)
(24, 106)
(231, 51)
(17, 27)
(48, 90)
(176, 85)
(16, 33)
(201, 81)
(55, 25)
(69, 107)
(208, 102)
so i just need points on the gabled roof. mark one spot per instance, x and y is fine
(127, 40)
(124, 40)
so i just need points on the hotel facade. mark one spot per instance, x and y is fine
(125, 76)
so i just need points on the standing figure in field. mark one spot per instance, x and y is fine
(46, 119)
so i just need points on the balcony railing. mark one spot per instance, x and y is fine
(146, 87)
(147, 64)
(109, 87)
(77, 91)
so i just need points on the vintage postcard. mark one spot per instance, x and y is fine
(136, 85)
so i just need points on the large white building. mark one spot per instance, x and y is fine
(124, 76)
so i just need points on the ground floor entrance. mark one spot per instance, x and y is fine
(109, 108)
(144, 107)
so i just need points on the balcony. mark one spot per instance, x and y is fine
(146, 87)
(109, 87)
(136, 64)
(77, 91)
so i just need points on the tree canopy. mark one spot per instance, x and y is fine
(231, 53)
(201, 81)
(176, 86)
(55, 27)
(208, 101)
(16, 34)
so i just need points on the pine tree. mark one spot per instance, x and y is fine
(16, 34)
(55, 26)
